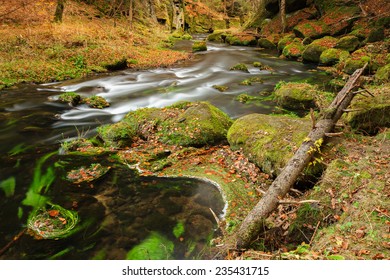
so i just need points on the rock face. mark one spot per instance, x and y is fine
(184, 124)
(268, 141)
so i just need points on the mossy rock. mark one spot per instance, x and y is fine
(296, 96)
(266, 44)
(313, 52)
(183, 124)
(293, 50)
(348, 43)
(217, 36)
(70, 97)
(357, 60)
(311, 29)
(117, 135)
(239, 67)
(241, 40)
(382, 75)
(268, 141)
(96, 101)
(286, 40)
(333, 56)
(376, 34)
(221, 88)
(199, 46)
(372, 113)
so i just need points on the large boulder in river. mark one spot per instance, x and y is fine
(333, 56)
(293, 50)
(182, 124)
(268, 141)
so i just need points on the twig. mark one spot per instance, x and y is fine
(334, 134)
(352, 110)
(313, 118)
(298, 202)
(16, 238)
(219, 223)
(260, 191)
(296, 191)
(370, 93)
(314, 233)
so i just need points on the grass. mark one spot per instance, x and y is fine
(38, 50)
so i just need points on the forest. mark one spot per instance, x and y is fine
(195, 129)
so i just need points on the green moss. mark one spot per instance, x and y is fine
(311, 29)
(199, 46)
(265, 43)
(221, 88)
(239, 67)
(269, 141)
(313, 52)
(348, 43)
(154, 247)
(296, 95)
(70, 97)
(293, 50)
(286, 40)
(383, 74)
(333, 56)
(117, 135)
(96, 102)
(250, 81)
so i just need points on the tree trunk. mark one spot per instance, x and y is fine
(59, 10)
(253, 222)
(131, 13)
(283, 14)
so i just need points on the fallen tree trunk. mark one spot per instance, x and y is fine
(253, 223)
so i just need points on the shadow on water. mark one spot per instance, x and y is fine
(122, 215)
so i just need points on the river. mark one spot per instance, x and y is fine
(123, 210)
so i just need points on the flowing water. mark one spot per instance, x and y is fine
(122, 210)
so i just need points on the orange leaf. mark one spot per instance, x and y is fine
(53, 213)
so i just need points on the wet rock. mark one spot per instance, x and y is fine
(242, 39)
(239, 67)
(376, 34)
(96, 101)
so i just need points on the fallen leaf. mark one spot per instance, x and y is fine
(360, 233)
(53, 213)
(379, 256)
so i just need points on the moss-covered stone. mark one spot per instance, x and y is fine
(239, 67)
(199, 46)
(372, 113)
(96, 101)
(382, 75)
(296, 96)
(313, 51)
(268, 141)
(376, 34)
(117, 135)
(357, 61)
(266, 44)
(70, 97)
(349, 43)
(221, 88)
(333, 56)
(311, 29)
(286, 40)
(217, 36)
(293, 50)
(241, 40)
(182, 124)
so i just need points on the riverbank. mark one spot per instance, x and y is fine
(34, 49)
